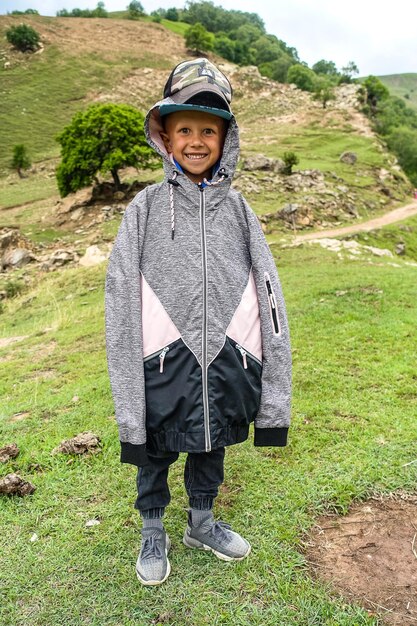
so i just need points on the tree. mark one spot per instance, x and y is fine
(172, 14)
(290, 159)
(325, 67)
(23, 37)
(198, 39)
(302, 76)
(224, 47)
(403, 141)
(135, 10)
(103, 138)
(323, 90)
(348, 71)
(376, 92)
(20, 160)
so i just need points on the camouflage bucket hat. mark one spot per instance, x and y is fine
(190, 80)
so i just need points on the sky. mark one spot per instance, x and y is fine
(380, 36)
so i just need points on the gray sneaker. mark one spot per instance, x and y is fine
(152, 566)
(216, 537)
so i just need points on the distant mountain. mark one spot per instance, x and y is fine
(402, 85)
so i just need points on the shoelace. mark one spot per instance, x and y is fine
(151, 548)
(218, 531)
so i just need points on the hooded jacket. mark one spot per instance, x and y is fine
(197, 336)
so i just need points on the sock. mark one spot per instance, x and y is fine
(152, 522)
(152, 518)
(197, 515)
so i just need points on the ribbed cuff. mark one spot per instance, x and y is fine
(135, 454)
(155, 513)
(271, 436)
(202, 503)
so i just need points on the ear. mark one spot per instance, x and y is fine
(167, 142)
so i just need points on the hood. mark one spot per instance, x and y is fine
(228, 160)
(178, 182)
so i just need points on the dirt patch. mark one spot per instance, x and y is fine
(370, 556)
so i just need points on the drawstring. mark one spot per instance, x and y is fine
(172, 183)
(223, 174)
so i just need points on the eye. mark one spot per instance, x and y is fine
(209, 131)
(184, 130)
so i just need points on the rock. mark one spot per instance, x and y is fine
(288, 210)
(263, 163)
(348, 157)
(80, 444)
(400, 248)
(17, 257)
(9, 451)
(93, 256)
(61, 257)
(13, 484)
(119, 195)
(73, 201)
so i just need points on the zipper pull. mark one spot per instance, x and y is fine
(272, 298)
(243, 353)
(161, 359)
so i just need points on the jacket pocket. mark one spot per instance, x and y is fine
(244, 353)
(161, 354)
(273, 308)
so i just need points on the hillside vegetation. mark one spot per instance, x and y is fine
(403, 86)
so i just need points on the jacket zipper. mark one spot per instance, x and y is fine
(272, 305)
(245, 353)
(204, 338)
(161, 357)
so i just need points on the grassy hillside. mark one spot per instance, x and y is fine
(403, 86)
(353, 429)
(82, 59)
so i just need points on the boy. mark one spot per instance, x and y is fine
(197, 335)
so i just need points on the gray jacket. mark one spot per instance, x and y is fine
(197, 336)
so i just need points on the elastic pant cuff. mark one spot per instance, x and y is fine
(153, 513)
(201, 503)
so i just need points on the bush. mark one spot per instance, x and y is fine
(23, 37)
(302, 76)
(20, 160)
(135, 10)
(99, 11)
(290, 159)
(103, 138)
(198, 39)
(172, 15)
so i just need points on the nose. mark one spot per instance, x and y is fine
(196, 140)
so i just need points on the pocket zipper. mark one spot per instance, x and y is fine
(161, 357)
(245, 353)
(272, 305)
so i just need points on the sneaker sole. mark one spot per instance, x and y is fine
(194, 543)
(157, 582)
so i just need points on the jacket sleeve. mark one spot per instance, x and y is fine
(273, 418)
(124, 343)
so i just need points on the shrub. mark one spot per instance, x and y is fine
(135, 10)
(290, 159)
(20, 160)
(23, 37)
(198, 39)
(103, 138)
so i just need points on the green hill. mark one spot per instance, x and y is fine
(402, 85)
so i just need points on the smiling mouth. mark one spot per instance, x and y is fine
(195, 157)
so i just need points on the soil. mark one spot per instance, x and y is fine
(370, 556)
(396, 215)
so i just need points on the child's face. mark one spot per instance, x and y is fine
(196, 140)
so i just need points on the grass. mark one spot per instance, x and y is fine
(354, 407)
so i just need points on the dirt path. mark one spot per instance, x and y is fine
(401, 213)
